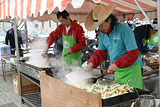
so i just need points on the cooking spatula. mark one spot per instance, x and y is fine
(94, 80)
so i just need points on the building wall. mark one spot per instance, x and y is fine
(32, 26)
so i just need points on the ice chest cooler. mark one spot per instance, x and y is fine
(5, 49)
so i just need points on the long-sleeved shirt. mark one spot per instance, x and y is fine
(121, 46)
(75, 29)
(141, 33)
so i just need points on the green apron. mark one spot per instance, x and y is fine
(144, 42)
(131, 75)
(74, 58)
(154, 40)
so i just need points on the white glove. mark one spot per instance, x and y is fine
(89, 67)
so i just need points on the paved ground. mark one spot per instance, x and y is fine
(8, 98)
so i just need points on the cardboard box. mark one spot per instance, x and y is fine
(27, 85)
(5, 49)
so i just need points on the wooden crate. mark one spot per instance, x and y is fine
(27, 85)
(55, 93)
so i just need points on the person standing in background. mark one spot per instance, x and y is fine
(153, 40)
(142, 35)
(10, 40)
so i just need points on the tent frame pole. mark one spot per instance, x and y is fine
(158, 13)
(18, 56)
(143, 12)
(26, 32)
(16, 39)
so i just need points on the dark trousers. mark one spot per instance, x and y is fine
(20, 52)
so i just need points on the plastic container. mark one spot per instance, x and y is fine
(5, 50)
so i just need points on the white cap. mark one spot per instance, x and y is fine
(155, 26)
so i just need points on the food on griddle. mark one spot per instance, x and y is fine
(108, 91)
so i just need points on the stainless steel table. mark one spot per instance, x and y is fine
(6, 60)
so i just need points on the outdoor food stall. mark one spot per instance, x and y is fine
(56, 89)
(53, 87)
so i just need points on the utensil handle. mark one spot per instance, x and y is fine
(133, 103)
(101, 76)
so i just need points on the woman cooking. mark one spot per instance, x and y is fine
(118, 41)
